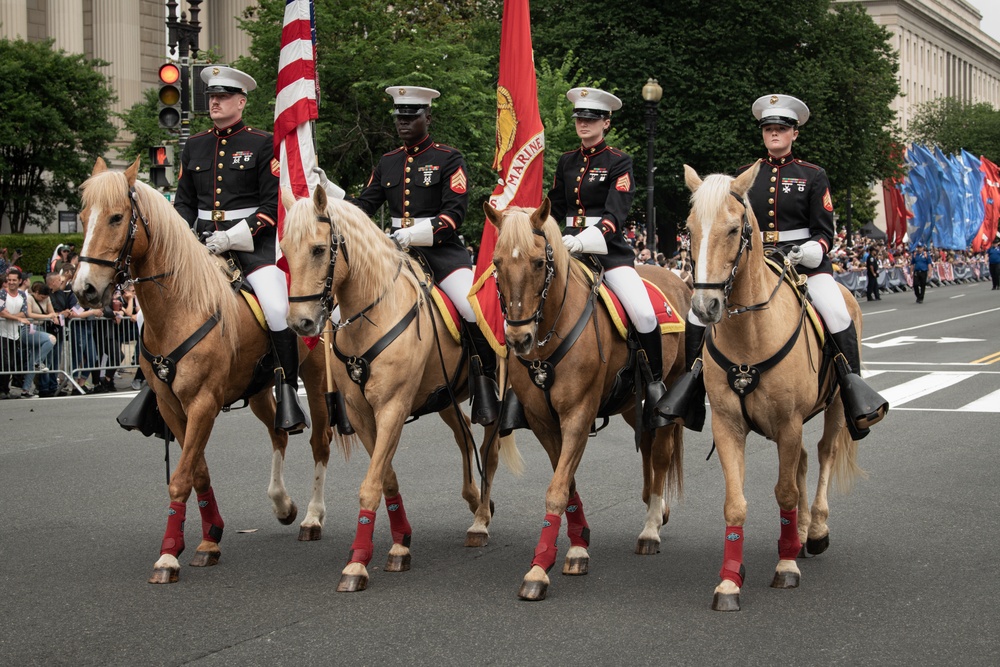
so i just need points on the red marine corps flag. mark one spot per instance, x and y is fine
(296, 105)
(519, 157)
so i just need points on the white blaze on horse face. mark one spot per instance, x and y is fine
(83, 268)
(514, 253)
(701, 261)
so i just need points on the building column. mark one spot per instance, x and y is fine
(64, 20)
(14, 19)
(221, 30)
(117, 40)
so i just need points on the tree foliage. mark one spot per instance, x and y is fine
(953, 125)
(55, 119)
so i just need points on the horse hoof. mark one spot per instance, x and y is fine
(576, 566)
(397, 563)
(726, 602)
(288, 520)
(164, 575)
(802, 552)
(352, 583)
(785, 580)
(477, 539)
(532, 591)
(310, 533)
(818, 546)
(647, 547)
(205, 558)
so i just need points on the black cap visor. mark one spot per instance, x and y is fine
(778, 120)
(591, 114)
(223, 90)
(409, 110)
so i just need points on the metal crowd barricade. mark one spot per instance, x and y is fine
(97, 345)
(23, 357)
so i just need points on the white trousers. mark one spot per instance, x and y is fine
(268, 283)
(457, 286)
(829, 302)
(628, 286)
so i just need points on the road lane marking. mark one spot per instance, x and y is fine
(922, 386)
(931, 324)
(988, 403)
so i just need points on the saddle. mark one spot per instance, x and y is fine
(670, 321)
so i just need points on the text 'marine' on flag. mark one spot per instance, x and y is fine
(296, 102)
(519, 157)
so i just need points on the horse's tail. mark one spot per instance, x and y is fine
(846, 470)
(675, 465)
(345, 443)
(511, 455)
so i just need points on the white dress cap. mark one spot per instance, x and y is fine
(412, 96)
(780, 110)
(592, 103)
(227, 80)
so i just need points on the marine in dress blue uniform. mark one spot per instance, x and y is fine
(592, 194)
(227, 191)
(425, 184)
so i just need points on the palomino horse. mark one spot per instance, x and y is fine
(777, 377)
(546, 297)
(399, 360)
(132, 232)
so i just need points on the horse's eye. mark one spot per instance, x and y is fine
(318, 250)
(497, 262)
(539, 264)
(733, 232)
(116, 218)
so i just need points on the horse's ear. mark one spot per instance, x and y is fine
(132, 172)
(287, 198)
(691, 178)
(541, 214)
(746, 179)
(492, 214)
(320, 200)
(99, 166)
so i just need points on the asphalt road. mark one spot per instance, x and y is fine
(908, 579)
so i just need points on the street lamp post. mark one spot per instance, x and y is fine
(651, 92)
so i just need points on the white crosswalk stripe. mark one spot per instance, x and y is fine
(949, 391)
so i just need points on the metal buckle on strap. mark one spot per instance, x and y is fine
(406, 221)
(770, 237)
(218, 215)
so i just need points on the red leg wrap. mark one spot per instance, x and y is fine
(732, 556)
(398, 524)
(362, 547)
(789, 544)
(173, 538)
(576, 523)
(211, 521)
(545, 552)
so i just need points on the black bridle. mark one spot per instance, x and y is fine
(122, 264)
(325, 296)
(550, 271)
(746, 243)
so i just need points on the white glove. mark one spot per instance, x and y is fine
(402, 236)
(809, 255)
(420, 234)
(589, 240)
(794, 255)
(238, 237)
(333, 191)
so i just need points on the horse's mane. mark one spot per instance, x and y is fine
(518, 235)
(205, 288)
(373, 257)
(712, 196)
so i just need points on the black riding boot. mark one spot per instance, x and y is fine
(336, 410)
(684, 402)
(512, 417)
(652, 345)
(482, 377)
(289, 416)
(863, 406)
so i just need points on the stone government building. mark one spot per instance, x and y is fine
(942, 50)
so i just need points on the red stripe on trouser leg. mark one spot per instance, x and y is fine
(576, 523)
(173, 538)
(545, 552)
(398, 524)
(732, 556)
(789, 544)
(362, 547)
(211, 521)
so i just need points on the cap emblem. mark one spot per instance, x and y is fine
(773, 100)
(402, 91)
(584, 93)
(215, 71)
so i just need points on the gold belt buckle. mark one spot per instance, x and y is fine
(770, 237)
(406, 222)
(218, 216)
(580, 221)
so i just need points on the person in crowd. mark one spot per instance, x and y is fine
(65, 306)
(13, 317)
(792, 204)
(227, 191)
(592, 192)
(921, 263)
(872, 271)
(130, 323)
(43, 341)
(60, 257)
(994, 261)
(426, 187)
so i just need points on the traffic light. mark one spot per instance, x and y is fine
(158, 164)
(169, 97)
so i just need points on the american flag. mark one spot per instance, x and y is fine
(297, 102)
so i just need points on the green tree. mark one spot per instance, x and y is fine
(140, 120)
(55, 119)
(953, 125)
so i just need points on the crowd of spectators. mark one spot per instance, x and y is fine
(40, 317)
